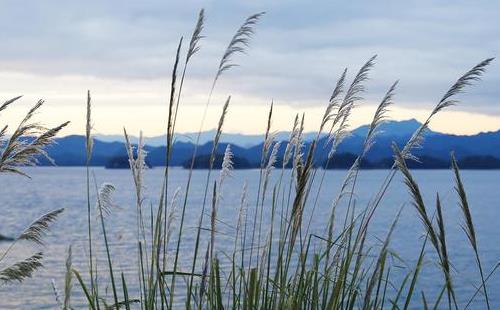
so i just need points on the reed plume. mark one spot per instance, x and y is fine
(299, 147)
(271, 162)
(105, 206)
(273, 157)
(196, 36)
(357, 86)
(105, 198)
(379, 118)
(226, 169)
(34, 233)
(468, 226)
(340, 122)
(268, 137)
(238, 44)
(8, 102)
(303, 175)
(39, 228)
(171, 113)
(352, 95)
(89, 143)
(27, 143)
(219, 130)
(349, 182)
(446, 101)
(291, 142)
(227, 164)
(137, 163)
(3, 107)
(194, 47)
(22, 270)
(267, 173)
(331, 110)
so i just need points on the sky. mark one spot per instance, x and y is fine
(123, 52)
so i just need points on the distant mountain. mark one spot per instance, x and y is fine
(205, 137)
(392, 128)
(480, 151)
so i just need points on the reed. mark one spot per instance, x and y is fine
(275, 261)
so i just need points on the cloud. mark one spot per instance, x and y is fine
(296, 56)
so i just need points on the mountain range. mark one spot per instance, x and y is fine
(481, 150)
(243, 140)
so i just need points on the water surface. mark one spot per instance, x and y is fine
(23, 200)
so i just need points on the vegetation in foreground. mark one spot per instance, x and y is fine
(278, 263)
(24, 147)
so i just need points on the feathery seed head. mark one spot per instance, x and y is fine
(22, 270)
(238, 44)
(227, 164)
(39, 228)
(447, 100)
(196, 37)
(105, 198)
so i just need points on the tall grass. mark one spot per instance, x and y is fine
(277, 262)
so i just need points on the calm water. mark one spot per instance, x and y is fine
(23, 200)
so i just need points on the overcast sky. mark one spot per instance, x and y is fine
(123, 52)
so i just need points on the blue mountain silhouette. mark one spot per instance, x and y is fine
(479, 151)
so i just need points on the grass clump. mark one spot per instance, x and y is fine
(275, 262)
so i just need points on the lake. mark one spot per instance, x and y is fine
(23, 200)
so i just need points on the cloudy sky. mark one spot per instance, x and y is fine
(123, 52)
